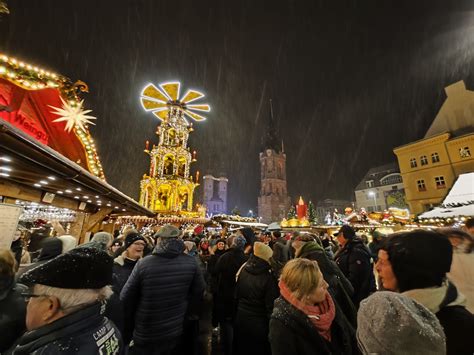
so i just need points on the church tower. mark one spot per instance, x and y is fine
(274, 201)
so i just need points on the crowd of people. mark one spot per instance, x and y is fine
(253, 293)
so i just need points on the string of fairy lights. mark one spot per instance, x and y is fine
(31, 77)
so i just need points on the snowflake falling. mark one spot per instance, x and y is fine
(74, 115)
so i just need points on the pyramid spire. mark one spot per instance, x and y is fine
(271, 138)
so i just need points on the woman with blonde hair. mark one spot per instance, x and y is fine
(305, 319)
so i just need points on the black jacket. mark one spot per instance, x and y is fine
(157, 293)
(122, 269)
(458, 325)
(292, 333)
(340, 288)
(211, 269)
(355, 262)
(256, 290)
(83, 332)
(12, 312)
(226, 269)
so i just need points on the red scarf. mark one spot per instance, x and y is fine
(321, 314)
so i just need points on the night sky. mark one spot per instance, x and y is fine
(350, 80)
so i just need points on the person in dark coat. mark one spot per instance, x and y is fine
(305, 320)
(340, 288)
(356, 264)
(415, 264)
(281, 251)
(12, 303)
(63, 314)
(157, 294)
(256, 290)
(226, 269)
(216, 252)
(123, 266)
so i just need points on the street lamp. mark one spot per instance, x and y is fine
(374, 195)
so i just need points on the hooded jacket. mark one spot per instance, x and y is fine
(83, 332)
(157, 293)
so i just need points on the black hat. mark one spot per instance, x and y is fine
(420, 258)
(347, 230)
(80, 268)
(132, 238)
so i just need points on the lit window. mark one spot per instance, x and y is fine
(421, 185)
(465, 152)
(435, 158)
(413, 163)
(440, 183)
(423, 160)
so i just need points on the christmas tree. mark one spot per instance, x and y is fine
(291, 213)
(311, 215)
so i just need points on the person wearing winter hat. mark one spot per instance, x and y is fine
(104, 238)
(391, 323)
(124, 263)
(116, 245)
(305, 319)
(415, 263)
(355, 262)
(63, 314)
(123, 266)
(226, 269)
(256, 290)
(216, 252)
(157, 295)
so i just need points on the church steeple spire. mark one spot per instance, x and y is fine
(270, 139)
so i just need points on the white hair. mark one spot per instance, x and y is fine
(74, 299)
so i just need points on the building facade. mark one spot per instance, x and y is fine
(381, 188)
(273, 202)
(215, 194)
(430, 166)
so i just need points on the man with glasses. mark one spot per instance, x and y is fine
(63, 313)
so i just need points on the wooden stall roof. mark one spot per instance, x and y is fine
(36, 166)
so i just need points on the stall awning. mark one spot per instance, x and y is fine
(458, 203)
(30, 163)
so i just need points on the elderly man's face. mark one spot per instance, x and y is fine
(41, 310)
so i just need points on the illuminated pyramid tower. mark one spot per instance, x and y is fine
(169, 188)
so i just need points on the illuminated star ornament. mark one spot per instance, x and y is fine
(73, 115)
(163, 101)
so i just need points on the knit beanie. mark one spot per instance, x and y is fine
(102, 237)
(262, 251)
(80, 268)
(391, 323)
(132, 238)
(419, 259)
(168, 231)
(238, 242)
